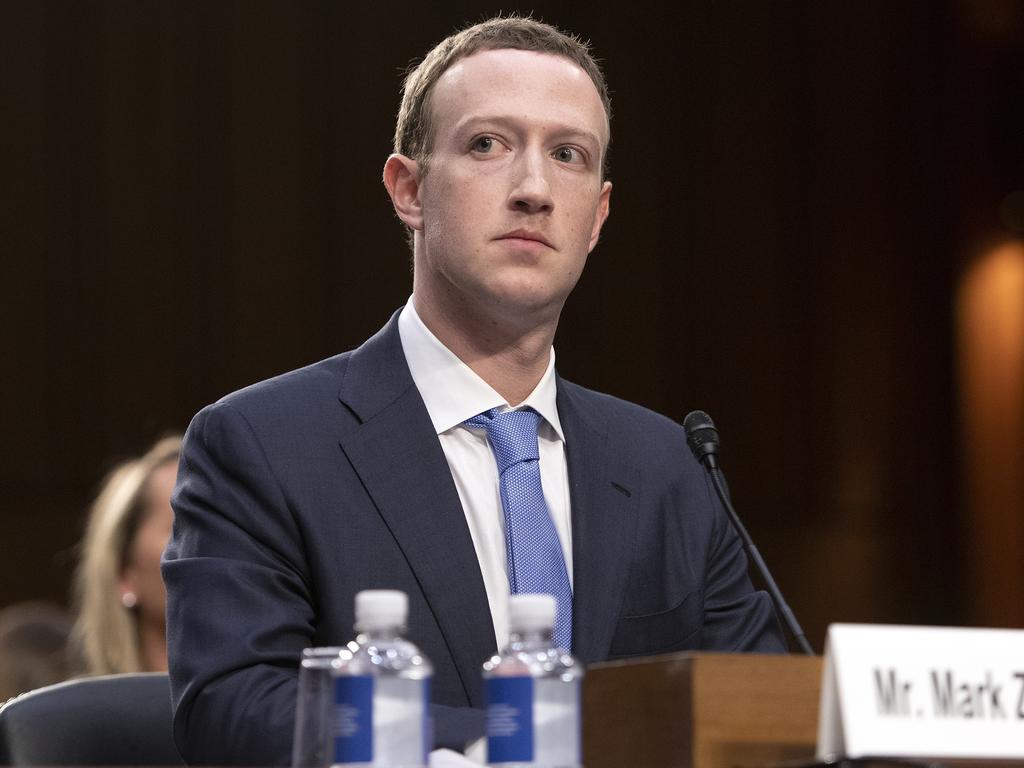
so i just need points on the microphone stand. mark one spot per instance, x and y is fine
(702, 437)
(783, 609)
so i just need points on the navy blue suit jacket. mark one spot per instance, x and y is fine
(300, 491)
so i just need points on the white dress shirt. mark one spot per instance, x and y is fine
(453, 393)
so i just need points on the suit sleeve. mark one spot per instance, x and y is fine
(736, 617)
(239, 610)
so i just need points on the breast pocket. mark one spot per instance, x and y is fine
(676, 629)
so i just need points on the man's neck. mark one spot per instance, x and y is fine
(511, 360)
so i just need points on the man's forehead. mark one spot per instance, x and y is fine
(497, 78)
(514, 58)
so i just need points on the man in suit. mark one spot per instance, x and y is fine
(374, 469)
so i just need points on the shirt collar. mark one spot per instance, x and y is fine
(451, 390)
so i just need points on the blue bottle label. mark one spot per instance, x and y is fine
(428, 723)
(509, 719)
(353, 719)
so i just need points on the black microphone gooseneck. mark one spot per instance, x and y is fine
(702, 437)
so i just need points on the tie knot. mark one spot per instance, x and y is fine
(513, 435)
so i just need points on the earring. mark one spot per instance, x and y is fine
(129, 599)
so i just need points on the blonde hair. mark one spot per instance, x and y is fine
(106, 632)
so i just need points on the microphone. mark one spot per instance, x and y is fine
(702, 437)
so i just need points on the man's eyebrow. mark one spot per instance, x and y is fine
(469, 122)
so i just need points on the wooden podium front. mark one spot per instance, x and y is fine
(700, 710)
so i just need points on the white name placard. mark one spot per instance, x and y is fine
(930, 692)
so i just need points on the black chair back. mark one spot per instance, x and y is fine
(108, 720)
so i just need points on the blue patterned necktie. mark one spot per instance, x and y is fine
(536, 563)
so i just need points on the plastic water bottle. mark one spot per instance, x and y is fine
(382, 689)
(533, 693)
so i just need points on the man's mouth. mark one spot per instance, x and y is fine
(526, 234)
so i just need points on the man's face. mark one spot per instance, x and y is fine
(513, 201)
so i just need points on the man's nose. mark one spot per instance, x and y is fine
(531, 192)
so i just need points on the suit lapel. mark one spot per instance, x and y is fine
(603, 485)
(399, 459)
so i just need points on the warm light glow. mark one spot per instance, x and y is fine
(991, 319)
(990, 325)
(992, 303)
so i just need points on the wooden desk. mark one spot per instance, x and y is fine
(701, 711)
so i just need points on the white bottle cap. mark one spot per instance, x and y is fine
(531, 613)
(378, 609)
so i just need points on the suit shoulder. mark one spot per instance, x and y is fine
(625, 417)
(296, 390)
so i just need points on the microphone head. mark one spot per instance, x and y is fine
(701, 436)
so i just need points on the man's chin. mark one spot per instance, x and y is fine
(526, 308)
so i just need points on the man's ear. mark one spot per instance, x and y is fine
(402, 179)
(603, 208)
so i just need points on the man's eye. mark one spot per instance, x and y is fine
(483, 144)
(568, 155)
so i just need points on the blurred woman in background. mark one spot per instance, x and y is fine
(118, 590)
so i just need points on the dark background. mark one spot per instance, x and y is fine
(192, 203)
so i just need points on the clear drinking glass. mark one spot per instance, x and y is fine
(312, 746)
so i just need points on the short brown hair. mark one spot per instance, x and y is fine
(413, 131)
